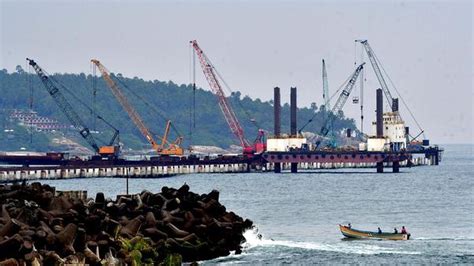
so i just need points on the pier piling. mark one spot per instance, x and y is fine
(396, 166)
(294, 167)
(277, 168)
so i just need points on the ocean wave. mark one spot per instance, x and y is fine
(444, 238)
(254, 239)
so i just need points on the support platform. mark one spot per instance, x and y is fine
(343, 159)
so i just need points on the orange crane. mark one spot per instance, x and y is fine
(163, 148)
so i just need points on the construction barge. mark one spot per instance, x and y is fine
(347, 159)
(389, 146)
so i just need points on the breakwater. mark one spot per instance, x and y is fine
(39, 225)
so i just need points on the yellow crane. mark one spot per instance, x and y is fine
(163, 148)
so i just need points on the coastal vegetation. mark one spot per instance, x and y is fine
(155, 100)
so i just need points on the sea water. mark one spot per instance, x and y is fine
(298, 214)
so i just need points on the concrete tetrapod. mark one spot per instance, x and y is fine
(41, 226)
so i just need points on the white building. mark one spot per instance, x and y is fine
(393, 132)
(284, 144)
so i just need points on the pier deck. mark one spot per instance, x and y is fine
(268, 161)
(124, 168)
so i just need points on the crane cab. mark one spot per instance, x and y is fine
(172, 151)
(109, 151)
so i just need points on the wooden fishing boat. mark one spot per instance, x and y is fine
(354, 233)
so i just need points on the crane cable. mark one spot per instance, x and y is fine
(79, 101)
(229, 90)
(94, 94)
(147, 104)
(355, 65)
(30, 100)
(399, 95)
(192, 107)
(327, 111)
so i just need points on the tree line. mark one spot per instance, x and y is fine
(156, 101)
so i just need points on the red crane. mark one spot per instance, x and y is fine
(229, 115)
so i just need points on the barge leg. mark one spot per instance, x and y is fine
(396, 166)
(294, 167)
(380, 167)
(277, 168)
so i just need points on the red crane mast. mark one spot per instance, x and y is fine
(229, 114)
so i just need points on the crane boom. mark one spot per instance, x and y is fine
(64, 105)
(341, 100)
(377, 71)
(136, 118)
(347, 90)
(229, 115)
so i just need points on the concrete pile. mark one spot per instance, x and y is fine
(39, 227)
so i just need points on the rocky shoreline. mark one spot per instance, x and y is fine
(40, 226)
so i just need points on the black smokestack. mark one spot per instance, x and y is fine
(293, 111)
(395, 105)
(379, 113)
(277, 111)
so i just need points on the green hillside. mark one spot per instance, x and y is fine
(165, 100)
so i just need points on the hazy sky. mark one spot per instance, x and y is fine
(425, 46)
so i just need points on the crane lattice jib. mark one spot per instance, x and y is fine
(347, 90)
(341, 100)
(64, 105)
(226, 109)
(136, 118)
(377, 71)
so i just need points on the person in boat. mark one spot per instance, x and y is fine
(395, 231)
(379, 230)
(349, 225)
(404, 230)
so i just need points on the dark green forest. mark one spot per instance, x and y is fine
(163, 100)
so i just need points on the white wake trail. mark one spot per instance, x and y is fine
(254, 239)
